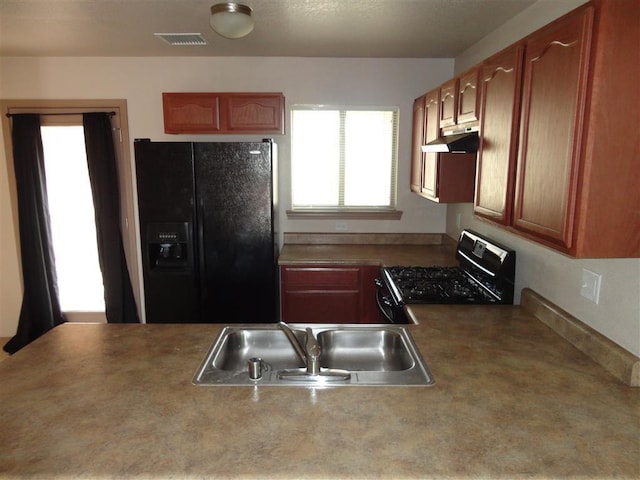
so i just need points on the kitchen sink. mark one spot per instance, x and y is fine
(378, 350)
(241, 344)
(365, 355)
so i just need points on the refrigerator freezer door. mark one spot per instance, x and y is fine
(165, 184)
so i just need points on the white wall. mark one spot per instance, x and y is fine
(141, 81)
(528, 21)
(555, 276)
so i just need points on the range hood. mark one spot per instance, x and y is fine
(455, 141)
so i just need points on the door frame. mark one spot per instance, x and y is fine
(128, 199)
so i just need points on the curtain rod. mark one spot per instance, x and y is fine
(111, 114)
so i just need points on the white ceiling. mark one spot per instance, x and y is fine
(300, 28)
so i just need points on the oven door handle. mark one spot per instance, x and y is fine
(381, 306)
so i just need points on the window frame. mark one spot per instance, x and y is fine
(350, 212)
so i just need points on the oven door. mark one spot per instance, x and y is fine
(390, 310)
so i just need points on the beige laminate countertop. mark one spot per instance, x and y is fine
(424, 255)
(512, 399)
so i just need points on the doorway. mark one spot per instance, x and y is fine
(84, 308)
(72, 215)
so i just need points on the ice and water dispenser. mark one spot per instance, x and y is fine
(168, 246)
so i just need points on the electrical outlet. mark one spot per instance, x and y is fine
(458, 221)
(591, 285)
(342, 226)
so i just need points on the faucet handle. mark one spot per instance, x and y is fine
(312, 346)
(313, 353)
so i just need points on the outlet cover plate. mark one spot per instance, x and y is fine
(342, 226)
(590, 285)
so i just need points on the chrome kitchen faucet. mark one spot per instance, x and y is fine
(310, 354)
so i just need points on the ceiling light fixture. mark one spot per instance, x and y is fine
(231, 20)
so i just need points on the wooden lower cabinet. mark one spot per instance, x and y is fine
(329, 294)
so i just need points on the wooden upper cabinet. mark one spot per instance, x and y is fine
(223, 113)
(416, 145)
(250, 112)
(431, 132)
(577, 181)
(459, 99)
(446, 177)
(191, 112)
(468, 96)
(553, 109)
(499, 93)
(449, 103)
(453, 177)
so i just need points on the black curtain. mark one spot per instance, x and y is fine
(120, 305)
(40, 309)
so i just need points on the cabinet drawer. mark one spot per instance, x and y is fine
(320, 278)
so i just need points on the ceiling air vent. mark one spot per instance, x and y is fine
(182, 39)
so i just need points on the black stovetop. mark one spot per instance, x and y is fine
(485, 275)
(437, 285)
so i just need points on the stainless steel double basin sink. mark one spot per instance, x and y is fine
(363, 355)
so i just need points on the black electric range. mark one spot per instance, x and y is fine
(485, 275)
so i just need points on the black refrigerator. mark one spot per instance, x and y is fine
(207, 214)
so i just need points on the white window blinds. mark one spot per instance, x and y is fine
(343, 158)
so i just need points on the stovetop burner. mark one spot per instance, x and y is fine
(425, 273)
(437, 285)
(485, 275)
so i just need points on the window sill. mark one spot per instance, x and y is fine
(328, 214)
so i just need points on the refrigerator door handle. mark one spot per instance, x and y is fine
(202, 277)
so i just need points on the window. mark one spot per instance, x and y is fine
(343, 159)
